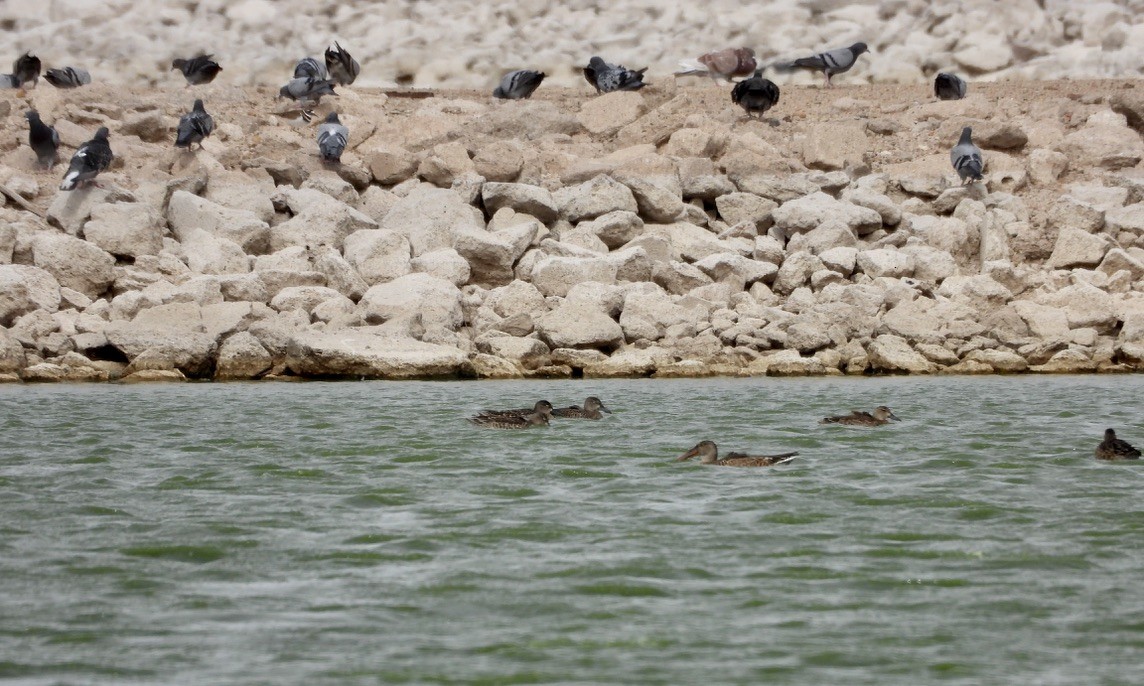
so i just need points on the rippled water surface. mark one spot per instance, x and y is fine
(363, 533)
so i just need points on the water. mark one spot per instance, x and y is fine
(362, 533)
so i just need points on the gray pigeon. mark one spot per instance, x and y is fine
(829, 63)
(197, 70)
(194, 126)
(307, 89)
(607, 78)
(341, 66)
(949, 87)
(966, 157)
(68, 77)
(308, 67)
(332, 137)
(27, 68)
(755, 94)
(89, 159)
(517, 85)
(43, 139)
(9, 81)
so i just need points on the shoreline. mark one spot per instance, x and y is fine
(653, 233)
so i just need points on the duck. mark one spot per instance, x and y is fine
(511, 421)
(708, 453)
(881, 415)
(541, 407)
(592, 409)
(1112, 448)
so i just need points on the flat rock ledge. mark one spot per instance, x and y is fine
(466, 238)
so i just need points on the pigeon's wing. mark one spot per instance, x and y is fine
(309, 67)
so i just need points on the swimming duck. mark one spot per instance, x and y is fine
(511, 421)
(541, 407)
(591, 410)
(1112, 448)
(709, 454)
(882, 415)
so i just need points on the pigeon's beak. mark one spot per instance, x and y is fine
(688, 455)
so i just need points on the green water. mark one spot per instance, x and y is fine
(363, 533)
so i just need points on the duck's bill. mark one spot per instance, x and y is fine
(687, 455)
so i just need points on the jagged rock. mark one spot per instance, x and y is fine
(736, 269)
(930, 264)
(444, 264)
(827, 235)
(436, 301)
(1077, 248)
(305, 298)
(611, 111)
(808, 212)
(242, 357)
(614, 229)
(500, 160)
(318, 220)
(340, 275)
(678, 278)
(1105, 141)
(26, 289)
(187, 213)
(70, 210)
(378, 255)
(172, 332)
(795, 271)
(1117, 259)
(523, 350)
(889, 211)
(371, 353)
(579, 325)
(12, 357)
(593, 198)
(75, 263)
(885, 262)
(531, 200)
(1043, 321)
(841, 260)
(1127, 218)
(489, 254)
(629, 362)
(125, 229)
(834, 145)
(1086, 306)
(657, 201)
(446, 162)
(889, 353)
(390, 164)
(746, 207)
(557, 275)
(430, 218)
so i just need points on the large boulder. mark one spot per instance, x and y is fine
(579, 325)
(75, 263)
(25, 289)
(242, 357)
(489, 254)
(430, 219)
(1078, 248)
(209, 254)
(593, 198)
(378, 255)
(521, 197)
(885, 262)
(436, 301)
(808, 212)
(173, 334)
(12, 357)
(371, 353)
(125, 229)
(888, 353)
(557, 275)
(318, 220)
(187, 212)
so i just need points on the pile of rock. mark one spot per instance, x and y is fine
(634, 234)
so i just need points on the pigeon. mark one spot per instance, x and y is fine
(966, 157)
(68, 77)
(307, 89)
(727, 63)
(756, 94)
(308, 67)
(829, 63)
(27, 68)
(342, 67)
(613, 77)
(9, 81)
(197, 70)
(194, 126)
(949, 87)
(520, 84)
(43, 139)
(332, 137)
(91, 158)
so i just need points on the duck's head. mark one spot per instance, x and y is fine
(592, 403)
(884, 414)
(706, 451)
(1109, 435)
(542, 407)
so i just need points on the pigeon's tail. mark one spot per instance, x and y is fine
(814, 62)
(70, 180)
(970, 167)
(692, 68)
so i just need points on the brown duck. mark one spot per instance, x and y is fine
(1112, 448)
(881, 415)
(709, 454)
(541, 407)
(592, 409)
(517, 421)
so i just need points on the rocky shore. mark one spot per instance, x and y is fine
(657, 233)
